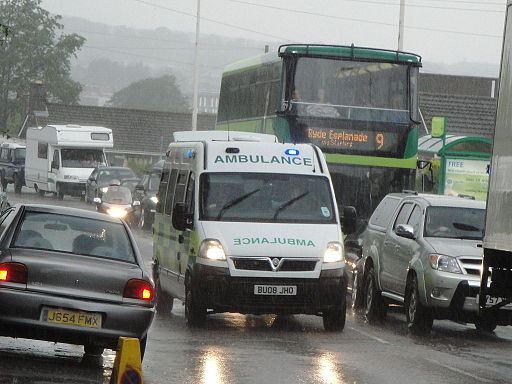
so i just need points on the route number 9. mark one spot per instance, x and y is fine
(379, 139)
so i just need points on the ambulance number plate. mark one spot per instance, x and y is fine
(275, 290)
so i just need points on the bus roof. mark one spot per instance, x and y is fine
(350, 52)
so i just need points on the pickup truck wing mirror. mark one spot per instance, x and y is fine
(349, 220)
(404, 230)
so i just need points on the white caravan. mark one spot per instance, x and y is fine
(60, 158)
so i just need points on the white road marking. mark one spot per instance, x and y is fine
(370, 336)
(453, 369)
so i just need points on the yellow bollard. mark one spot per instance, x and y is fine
(127, 365)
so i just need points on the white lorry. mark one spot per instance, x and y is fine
(60, 158)
(496, 281)
(246, 224)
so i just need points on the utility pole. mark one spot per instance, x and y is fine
(401, 26)
(196, 72)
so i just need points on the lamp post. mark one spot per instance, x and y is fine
(196, 74)
(401, 26)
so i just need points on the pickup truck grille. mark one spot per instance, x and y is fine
(266, 264)
(471, 264)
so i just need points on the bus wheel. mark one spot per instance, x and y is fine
(195, 312)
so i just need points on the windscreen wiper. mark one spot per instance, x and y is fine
(234, 202)
(288, 203)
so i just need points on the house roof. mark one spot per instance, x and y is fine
(134, 130)
(466, 115)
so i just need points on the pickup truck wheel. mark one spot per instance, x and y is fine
(357, 293)
(195, 311)
(17, 183)
(334, 320)
(375, 307)
(486, 324)
(419, 317)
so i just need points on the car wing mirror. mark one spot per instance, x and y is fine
(404, 230)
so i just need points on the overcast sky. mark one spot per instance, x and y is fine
(445, 31)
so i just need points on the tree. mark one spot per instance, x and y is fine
(33, 49)
(156, 94)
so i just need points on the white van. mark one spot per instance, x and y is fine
(246, 224)
(60, 158)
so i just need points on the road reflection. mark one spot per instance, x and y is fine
(213, 369)
(327, 369)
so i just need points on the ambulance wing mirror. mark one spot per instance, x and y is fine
(181, 218)
(349, 220)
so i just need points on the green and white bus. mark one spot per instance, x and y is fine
(359, 105)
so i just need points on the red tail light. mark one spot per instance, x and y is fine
(13, 273)
(139, 289)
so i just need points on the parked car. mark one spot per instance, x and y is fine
(12, 165)
(101, 177)
(423, 251)
(73, 276)
(145, 192)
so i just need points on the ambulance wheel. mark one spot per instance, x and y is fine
(195, 311)
(164, 302)
(92, 349)
(334, 320)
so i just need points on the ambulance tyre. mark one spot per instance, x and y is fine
(195, 311)
(334, 319)
(164, 302)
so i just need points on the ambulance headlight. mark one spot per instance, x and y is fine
(212, 249)
(334, 252)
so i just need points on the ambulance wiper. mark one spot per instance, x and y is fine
(234, 202)
(288, 203)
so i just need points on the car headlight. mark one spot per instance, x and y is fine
(212, 249)
(444, 263)
(154, 199)
(104, 189)
(334, 252)
(117, 212)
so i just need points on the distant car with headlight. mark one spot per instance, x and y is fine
(100, 178)
(72, 276)
(424, 252)
(116, 200)
(246, 224)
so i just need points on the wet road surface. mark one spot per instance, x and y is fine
(233, 348)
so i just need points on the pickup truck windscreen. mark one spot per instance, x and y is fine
(265, 197)
(454, 223)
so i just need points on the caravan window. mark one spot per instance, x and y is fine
(82, 158)
(42, 150)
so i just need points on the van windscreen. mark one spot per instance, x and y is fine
(264, 197)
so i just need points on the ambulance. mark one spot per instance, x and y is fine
(249, 225)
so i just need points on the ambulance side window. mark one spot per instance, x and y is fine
(162, 189)
(181, 186)
(169, 201)
(189, 197)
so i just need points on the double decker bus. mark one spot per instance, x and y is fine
(359, 105)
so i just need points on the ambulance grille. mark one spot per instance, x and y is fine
(265, 264)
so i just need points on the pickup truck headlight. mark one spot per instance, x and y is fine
(212, 249)
(334, 252)
(444, 263)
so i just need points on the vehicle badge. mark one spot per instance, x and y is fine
(275, 261)
(77, 282)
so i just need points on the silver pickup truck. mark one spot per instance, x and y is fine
(423, 251)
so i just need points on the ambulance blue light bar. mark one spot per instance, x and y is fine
(292, 152)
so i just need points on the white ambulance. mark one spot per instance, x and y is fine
(246, 224)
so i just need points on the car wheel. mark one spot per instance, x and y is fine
(17, 184)
(195, 311)
(3, 181)
(375, 307)
(92, 349)
(144, 221)
(419, 317)
(486, 324)
(357, 294)
(142, 343)
(334, 319)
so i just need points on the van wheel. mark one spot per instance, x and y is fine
(17, 183)
(3, 181)
(334, 320)
(195, 311)
(375, 307)
(59, 193)
(486, 324)
(419, 317)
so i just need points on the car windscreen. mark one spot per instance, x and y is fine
(454, 222)
(82, 158)
(117, 195)
(19, 154)
(107, 175)
(265, 197)
(154, 182)
(74, 235)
